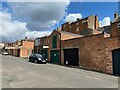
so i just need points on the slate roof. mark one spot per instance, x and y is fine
(105, 29)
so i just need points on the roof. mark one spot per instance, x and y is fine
(106, 35)
(96, 32)
(105, 29)
(78, 19)
(116, 19)
(83, 37)
(68, 33)
(30, 40)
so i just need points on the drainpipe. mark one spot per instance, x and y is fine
(60, 48)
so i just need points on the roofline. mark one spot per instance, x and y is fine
(84, 37)
(115, 22)
(79, 19)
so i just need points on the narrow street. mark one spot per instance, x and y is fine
(19, 73)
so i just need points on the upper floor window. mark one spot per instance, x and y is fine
(77, 28)
(70, 27)
(37, 41)
(118, 25)
(77, 23)
(84, 21)
(48, 41)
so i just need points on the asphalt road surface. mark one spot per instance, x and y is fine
(19, 73)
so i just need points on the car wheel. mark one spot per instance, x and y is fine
(29, 60)
(35, 61)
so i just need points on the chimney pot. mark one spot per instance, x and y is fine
(96, 22)
(78, 19)
(26, 38)
(115, 14)
(59, 29)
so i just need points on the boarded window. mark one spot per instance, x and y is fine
(54, 41)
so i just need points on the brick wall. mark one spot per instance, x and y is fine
(75, 27)
(113, 29)
(68, 36)
(91, 51)
(89, 23)
(58, 39)
(27, 47)
(28, 44)
(23, 53)
(110, 44)
(65, 27)
(95, 52)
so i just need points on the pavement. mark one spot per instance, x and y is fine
(19, 73)
(0, 72)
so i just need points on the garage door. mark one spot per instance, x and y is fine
(71, 57)
(55, 57)
(18, 53)
(44, 53)
(116, 61)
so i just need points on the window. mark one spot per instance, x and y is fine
(54, 41)
(43, 41)
(48, 41)
(84, 21)
(77, 28)
(77, 23)
(70, 27)
(118, 25)
(36, 42)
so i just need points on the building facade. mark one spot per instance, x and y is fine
(95, 52)
(85, 26)
(50, 46)
(21, 48)
(84, 44)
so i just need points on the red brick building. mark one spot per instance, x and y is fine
(50, 45)
(84, 44)
(96, 52)
(85, 26)
(21, 48)
(92, 52)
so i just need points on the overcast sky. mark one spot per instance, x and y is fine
(37, 19)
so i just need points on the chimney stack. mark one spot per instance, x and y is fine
(78, 19)
(59, 29)
(115, 14)
(96, 22)
(26, 39)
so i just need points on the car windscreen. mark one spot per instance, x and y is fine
(39, 55)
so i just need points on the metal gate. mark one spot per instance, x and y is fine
(71, 57)
(116, 61)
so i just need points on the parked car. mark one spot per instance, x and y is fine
(4, 53)
(37, 58)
